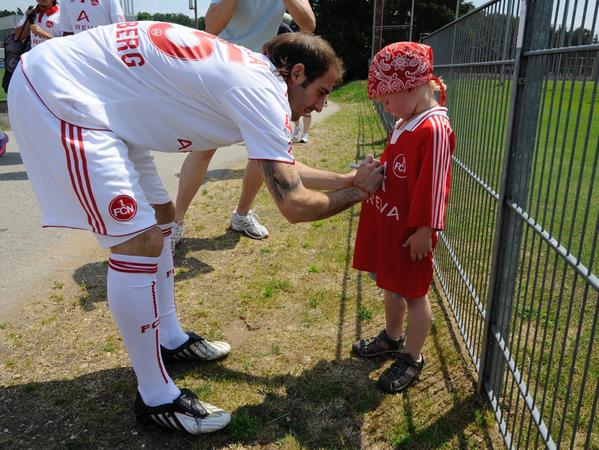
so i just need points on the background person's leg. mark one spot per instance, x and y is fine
(242, 218)
(297, 127)
(307, 122)
(193, 172)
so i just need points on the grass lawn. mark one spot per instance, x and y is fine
(290, 306)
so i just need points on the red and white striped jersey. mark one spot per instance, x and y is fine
(414, 194)
(165, 87)
(48, 20)
(82, 15)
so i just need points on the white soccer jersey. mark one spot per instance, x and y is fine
(47, 20)
(81, 15)
(165, 87)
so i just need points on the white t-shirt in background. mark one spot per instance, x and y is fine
(254, 22)
(81, 15)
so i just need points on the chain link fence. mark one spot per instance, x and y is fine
(518, 258)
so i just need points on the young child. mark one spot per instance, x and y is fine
(398, 223)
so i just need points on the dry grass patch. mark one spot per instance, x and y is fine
(290, 305)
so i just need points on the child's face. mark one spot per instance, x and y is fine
(399, 104)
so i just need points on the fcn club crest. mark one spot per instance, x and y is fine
(123, 208)
(400, 166)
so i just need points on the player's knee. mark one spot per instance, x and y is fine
(165, 213)
(148, 243)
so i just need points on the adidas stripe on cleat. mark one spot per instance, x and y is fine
(196, 348)
(186, 413)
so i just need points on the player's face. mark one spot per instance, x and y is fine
(44, 4)
(305, 98)
(399, 104)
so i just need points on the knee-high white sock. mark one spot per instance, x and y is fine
(171, 333)
(132, 298)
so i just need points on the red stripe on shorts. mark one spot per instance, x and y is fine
(87, 181)
(66, 143)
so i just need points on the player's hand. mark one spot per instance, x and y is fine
(37, 30)
(420, 243)
(369, 175)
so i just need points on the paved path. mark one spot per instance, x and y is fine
(32, 258)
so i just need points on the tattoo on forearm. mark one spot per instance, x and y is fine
(280, 186)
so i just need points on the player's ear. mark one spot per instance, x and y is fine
(298, 73)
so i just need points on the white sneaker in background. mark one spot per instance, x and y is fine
(177, 234)
(249, 225)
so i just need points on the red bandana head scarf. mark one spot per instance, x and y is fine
(401, 66)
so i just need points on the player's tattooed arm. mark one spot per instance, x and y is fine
(299, 204)
(280, 180)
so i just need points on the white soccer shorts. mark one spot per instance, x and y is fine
(83, 178)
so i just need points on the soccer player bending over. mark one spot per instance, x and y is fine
(101, 99)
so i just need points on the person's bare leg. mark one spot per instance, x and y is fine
(420, 318)
(251, 184)
(395, 309)
(307, 122)
(193, 172)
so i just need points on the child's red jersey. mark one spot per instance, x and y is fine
(414, 194)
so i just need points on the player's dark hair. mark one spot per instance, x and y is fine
(316, 54)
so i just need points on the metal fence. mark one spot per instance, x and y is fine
(518, 258)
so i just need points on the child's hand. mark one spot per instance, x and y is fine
(420, 243)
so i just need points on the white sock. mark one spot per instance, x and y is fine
(171, 333)
(131, 291)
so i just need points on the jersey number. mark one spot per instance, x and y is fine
(195, 45)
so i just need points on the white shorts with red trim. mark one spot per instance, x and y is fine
(83, 178)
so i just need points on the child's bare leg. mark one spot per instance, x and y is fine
(395, 310)
(420, 318)
(390, 340)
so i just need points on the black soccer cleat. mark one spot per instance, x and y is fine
(196, 348)
(186, 413)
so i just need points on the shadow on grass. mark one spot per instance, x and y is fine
(320, 407)
(92, 277)
(189, 266)
(223, 174)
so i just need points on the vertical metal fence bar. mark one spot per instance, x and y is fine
(518, 159)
